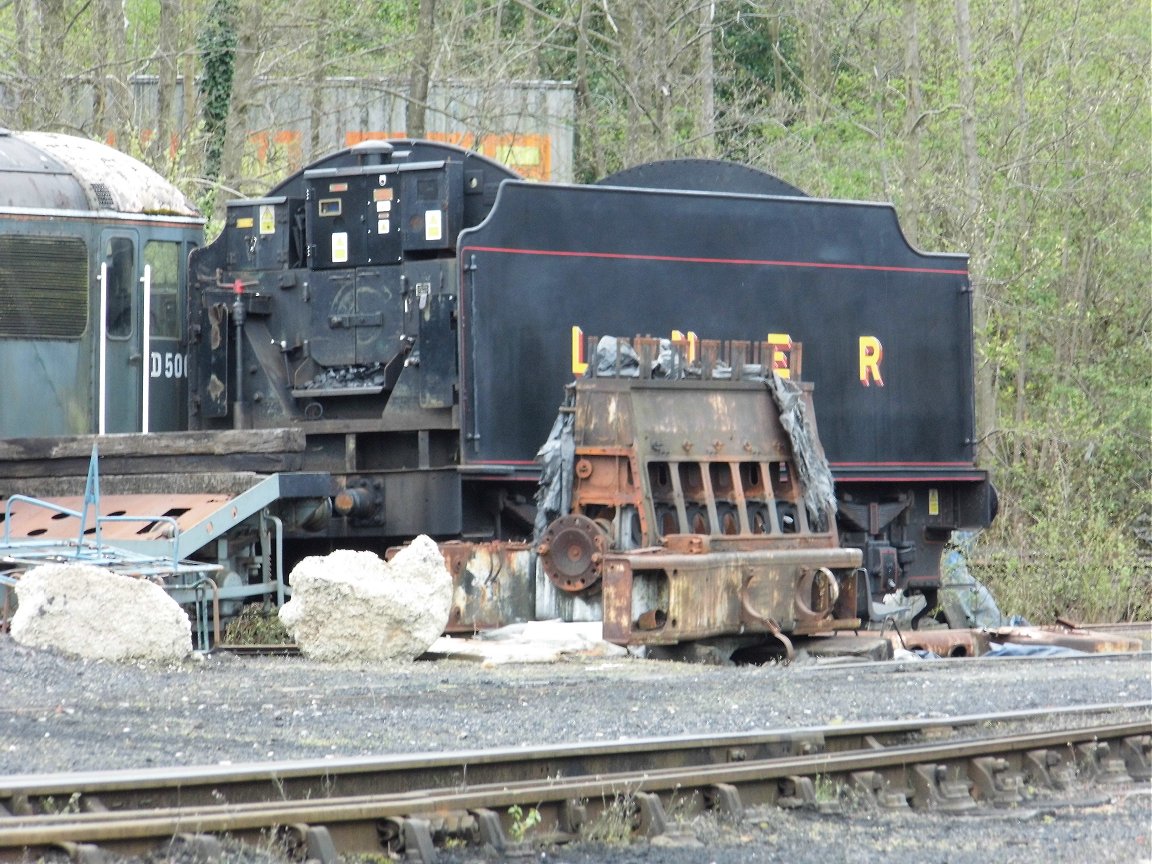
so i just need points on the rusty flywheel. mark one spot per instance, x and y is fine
(572, 551)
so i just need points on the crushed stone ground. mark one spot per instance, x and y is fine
(64, 714)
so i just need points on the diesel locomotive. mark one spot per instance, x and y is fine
(402, 320)
(90, 239)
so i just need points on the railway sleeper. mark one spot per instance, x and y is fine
(416, 838)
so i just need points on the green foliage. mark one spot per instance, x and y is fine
(256, 625)
(1072, 563)
(522, 822)
(217, 44)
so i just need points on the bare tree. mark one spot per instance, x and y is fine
(417, 104)
(985, 393)
(913, 116)
(166, 55)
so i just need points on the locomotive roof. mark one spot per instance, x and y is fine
(48, 170)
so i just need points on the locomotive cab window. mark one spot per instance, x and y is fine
(163, 257)
(120, 255)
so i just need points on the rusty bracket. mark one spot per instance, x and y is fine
(1136, 752)
(724, 799)
(196, 847)
(309, 843)
(795, 792)
(83, 853)
(407, 837)
(573, 817)
(1097, 763)
(933, 789)
(1048, 768)
(650, 819)
(995, 781)
(873, 787)
(491, 831)
(752, 615)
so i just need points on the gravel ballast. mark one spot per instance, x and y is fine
(62, 714)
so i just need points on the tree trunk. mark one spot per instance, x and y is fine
(812, 24)
(416, 108)
(244, 84)
(707, 131)
(913, 109)
(49, 77)
(1023, 178)
(161, 144)
(985, 392)
(23, 64)
(587, 144)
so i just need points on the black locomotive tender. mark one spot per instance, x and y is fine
(404, 317)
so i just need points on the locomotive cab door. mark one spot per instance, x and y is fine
(164, 283)
(119, 366)
(140, 341)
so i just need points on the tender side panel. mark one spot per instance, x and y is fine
(886, 330)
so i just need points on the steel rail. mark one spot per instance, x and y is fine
(951, 775)
(308, 779)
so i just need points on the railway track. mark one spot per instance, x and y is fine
(408, 805)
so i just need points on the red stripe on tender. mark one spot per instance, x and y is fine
(904, 478)
(965, 465)
(692, 260)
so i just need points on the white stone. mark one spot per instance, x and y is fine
(91, 612)
(530, 642)
(353, 606)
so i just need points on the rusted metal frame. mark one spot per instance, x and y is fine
(617, 495)
(769, 482)
(977, 642)
(646, 348)
(736, 497)
(747, 613)
(489, 601)
(704, 467)
(678, 496)
(832, 557)
(1066, 637)
(596, 455)
(703, 586)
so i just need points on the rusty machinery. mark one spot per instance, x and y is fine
(689, 512)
